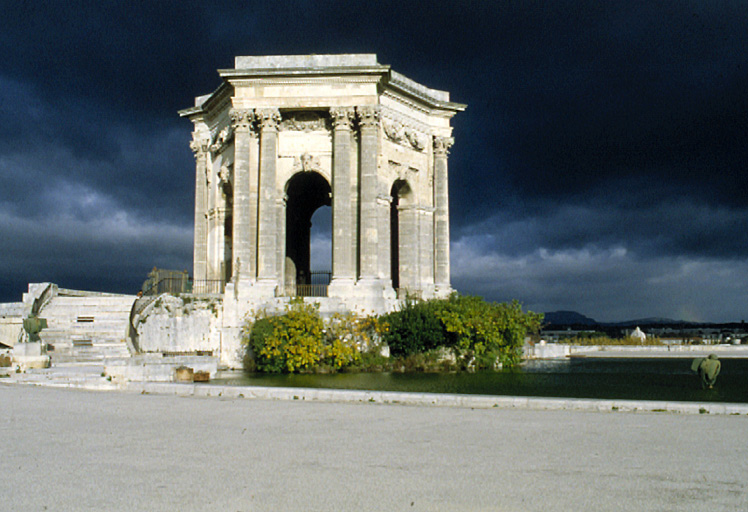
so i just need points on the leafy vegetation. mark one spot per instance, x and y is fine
(600, 339)
(458, 333)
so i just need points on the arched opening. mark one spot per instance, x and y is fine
(307, 192)
(401, 194)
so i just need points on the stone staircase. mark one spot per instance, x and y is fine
(86, 326)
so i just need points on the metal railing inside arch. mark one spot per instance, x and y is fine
(319, 280)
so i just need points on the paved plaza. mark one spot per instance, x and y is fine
(82, 450)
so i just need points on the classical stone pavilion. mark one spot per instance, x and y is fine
(285, 135)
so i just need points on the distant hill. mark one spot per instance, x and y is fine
(568, 318)
(652, 321)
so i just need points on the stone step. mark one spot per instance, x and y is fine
(89, 327)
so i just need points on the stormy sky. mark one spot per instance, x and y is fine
(600, 165)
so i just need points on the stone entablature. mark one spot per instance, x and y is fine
(284, 135)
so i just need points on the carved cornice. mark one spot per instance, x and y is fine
(342, 117)
(442, 145)
(268, 118)
(368, 116)
(241, 118)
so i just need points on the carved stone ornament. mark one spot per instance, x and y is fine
(268, 118)
(442, 145)
(199, 143)
(221, 139)
(415, 139)
(393, 131)
(342, 117)
(306, 163)
(225, 179)
(241, 118)
(368, 116)
(304, 122)
(224, 175)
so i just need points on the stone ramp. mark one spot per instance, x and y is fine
(87, 326)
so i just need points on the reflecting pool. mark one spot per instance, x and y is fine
(587, 377)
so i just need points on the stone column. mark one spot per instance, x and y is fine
(343, 227)
(199, 146)
(241, 121)
(267, 240)
(368, 211)
(441, 214)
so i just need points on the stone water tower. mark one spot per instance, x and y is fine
(285, 135)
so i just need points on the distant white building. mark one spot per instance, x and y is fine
(638, 334)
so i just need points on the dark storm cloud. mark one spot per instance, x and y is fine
(603, 151)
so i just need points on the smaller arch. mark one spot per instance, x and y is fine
(402, 194)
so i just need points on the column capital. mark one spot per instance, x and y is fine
(368, 116)
(268, 118)
(442, 145)
(342, 117)
(199, 144)
(241, 118)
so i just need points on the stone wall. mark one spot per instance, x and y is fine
(180, 325)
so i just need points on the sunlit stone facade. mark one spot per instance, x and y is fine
(285, 135)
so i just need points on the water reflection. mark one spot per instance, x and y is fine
(619, 378)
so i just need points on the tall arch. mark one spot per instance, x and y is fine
(306, 192)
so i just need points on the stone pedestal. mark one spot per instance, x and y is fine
(30, 355)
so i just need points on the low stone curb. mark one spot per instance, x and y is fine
(389, 397)
(434, 399)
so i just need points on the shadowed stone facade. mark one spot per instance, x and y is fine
(285, 135)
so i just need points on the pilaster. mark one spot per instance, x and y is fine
(267, 237)
(441, 215)
(199, 145)
(241, 121)
(369, 151)
(343, 218)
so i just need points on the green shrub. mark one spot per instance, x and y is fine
(479, 333)
(483, 333)
(292, 342)
(413, 329)
(299, 341)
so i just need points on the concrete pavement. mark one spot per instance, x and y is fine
(82, 450)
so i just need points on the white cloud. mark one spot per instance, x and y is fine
(608, 284)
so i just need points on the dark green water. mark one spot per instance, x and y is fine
(606, 378)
